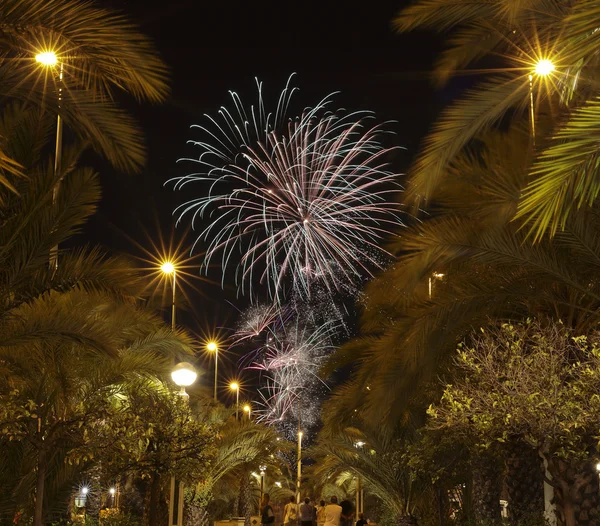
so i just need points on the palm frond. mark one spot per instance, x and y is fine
(101, 49)
(475, 112)
(565, 174)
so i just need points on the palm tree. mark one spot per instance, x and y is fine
(379, 459)
(70, 336)
(33, 222)
(101, 55)
(241, 447)
(54, 390)
(514, 36)
(490, 270)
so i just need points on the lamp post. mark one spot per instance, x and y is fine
(436, 275)
(299, 473)
(542, 68)
(49, 59)
(213, 347)
(248, 409)
(262, 482)
(235, 386)
(184, 374)
(168, 269)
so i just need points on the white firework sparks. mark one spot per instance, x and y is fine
(293, 201)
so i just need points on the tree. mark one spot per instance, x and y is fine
(153, 435)
(564, 174)
(535, 383)
(101, 55)
(242, 447)
(69, 336)
(380, 460)
(490, 271)
(54, 393)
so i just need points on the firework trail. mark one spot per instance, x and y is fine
(289, 356)
(292, 202)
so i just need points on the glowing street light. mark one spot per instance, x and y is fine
(248, 409)
(168, 269)
(234, 386)
(184, 375)
(47, 58)
(213, 347)
(544, 67)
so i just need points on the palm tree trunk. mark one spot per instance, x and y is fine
(154, 500)
(486, 491)
(245, 499)
(39, 488)
(524, 485)
(576, 492)
(407, 520)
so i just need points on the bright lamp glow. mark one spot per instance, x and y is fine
(167, 267)
(598, 467)
(234, 386)
(360, 443)
(212, 346)
(184, 374)
(112, 491)
(85, 490)
(247, 408)
(47, 58)
(544, 67)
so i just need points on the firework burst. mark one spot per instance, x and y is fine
(289, 356)
(292, 202)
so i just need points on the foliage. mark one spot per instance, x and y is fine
(536, 384)
(564, 176)
(154, 431)
(379, 459)
(489, 271)
(101, 54)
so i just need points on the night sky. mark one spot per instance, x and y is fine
(214, 47)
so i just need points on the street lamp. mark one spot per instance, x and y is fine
(168, 268)
(213, 347)
(544, 67)
(184, 375)
(299, 473)
(234, 386)
(247, 409)
(49, 59)
(262, 482)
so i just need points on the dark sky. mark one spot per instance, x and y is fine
(213, 47)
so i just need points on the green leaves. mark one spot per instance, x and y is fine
(101, 54)
(566, 174)
(533, 382)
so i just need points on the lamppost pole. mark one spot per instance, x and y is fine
(184, 375)
(168, 268)
(235, 386)
(213, 347)
(49, 59)
(174, 296)
(299, 471)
